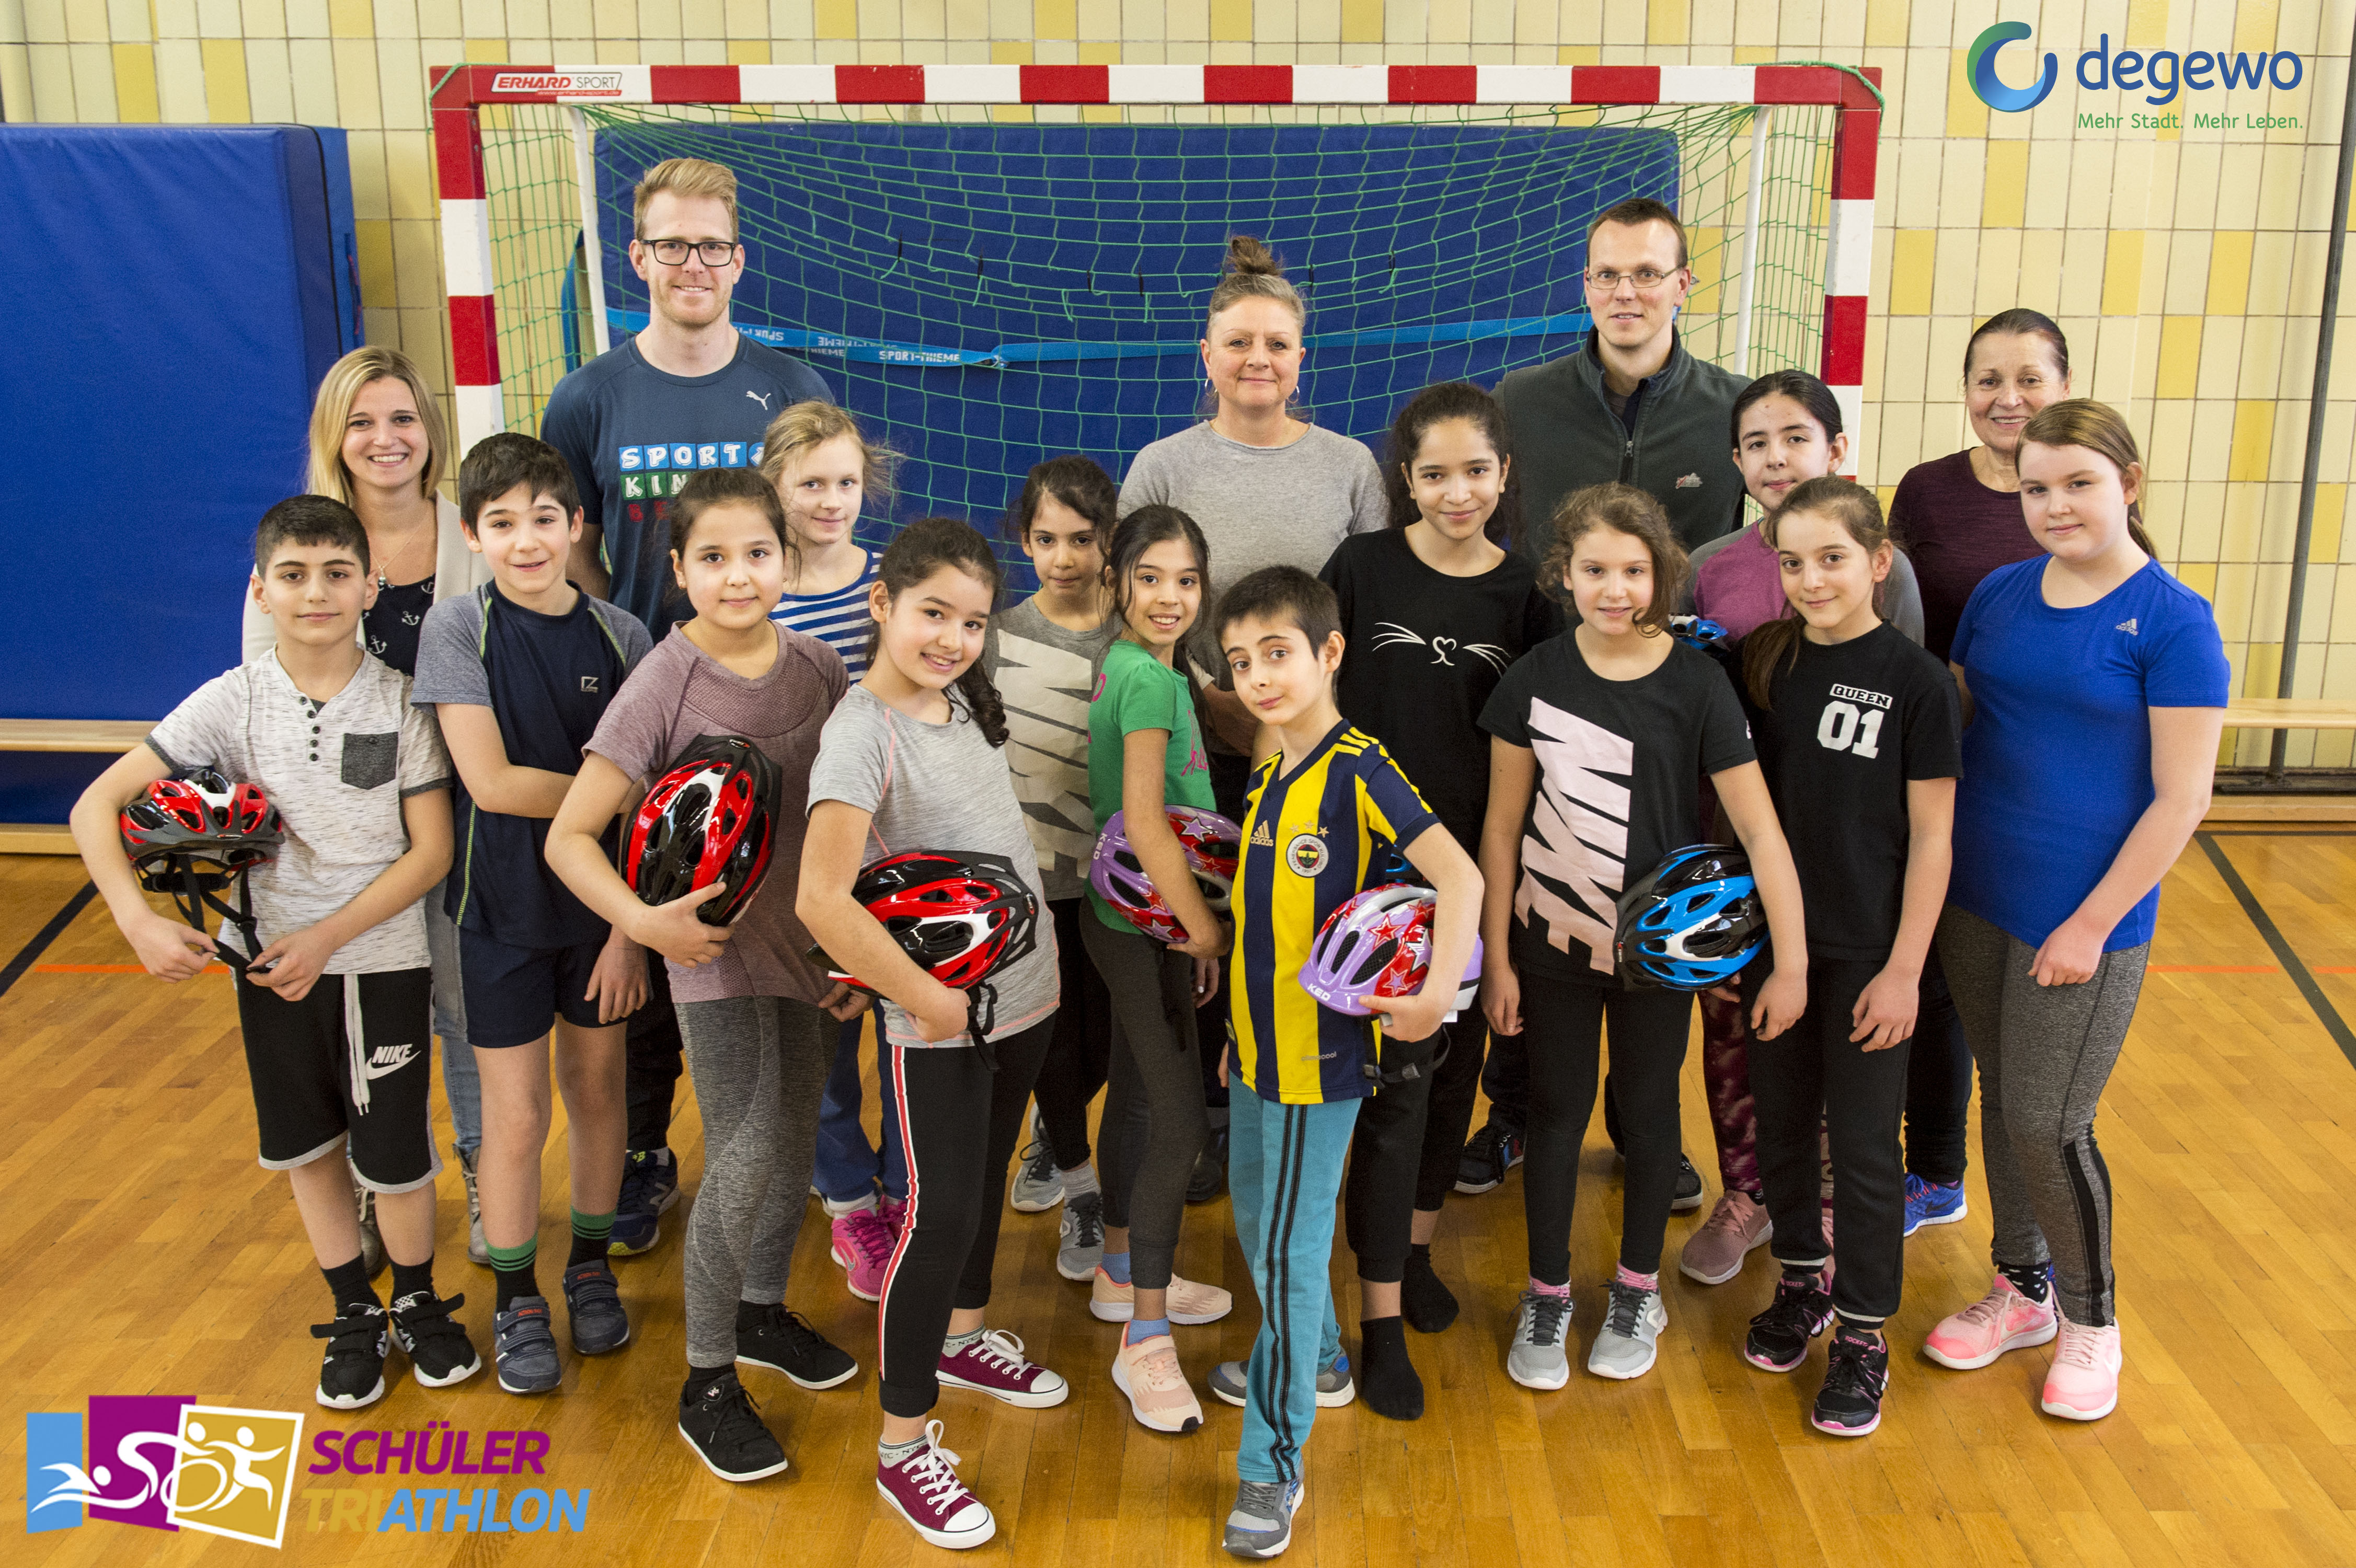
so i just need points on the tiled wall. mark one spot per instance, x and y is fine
(2185, 264)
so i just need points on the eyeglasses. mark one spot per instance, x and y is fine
(673, 253)
(1604, 281)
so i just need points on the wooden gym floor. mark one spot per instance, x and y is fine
(145, 1252)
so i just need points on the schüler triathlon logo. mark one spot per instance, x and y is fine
(164, 1462)
(1979, 64)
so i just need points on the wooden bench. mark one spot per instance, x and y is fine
(107, 735)
(2287, 713)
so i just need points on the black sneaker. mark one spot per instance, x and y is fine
(784, 1342)
(1495, 1149)
(1849, 1405)
(650, 1186)
(1688, 1194)
(1779, 1337)
(439, 1352)
(1210, 1177)
(524, 1347)
(727, 1433)
(352, 1374)
(593, 1303)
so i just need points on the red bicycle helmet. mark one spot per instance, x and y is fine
(961, 916)
(710, 817)
(196, 835)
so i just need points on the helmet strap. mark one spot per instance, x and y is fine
(980, 1012)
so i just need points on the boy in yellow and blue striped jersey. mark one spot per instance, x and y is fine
(1323, 807)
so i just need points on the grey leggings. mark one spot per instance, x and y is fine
(758, 1063)
(1154, 1059)
(2044, 1053)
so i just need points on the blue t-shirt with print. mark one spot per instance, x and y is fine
(2057, 759)
(632, 435)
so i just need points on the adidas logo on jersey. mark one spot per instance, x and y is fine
(1263, 838)
(2127, 625)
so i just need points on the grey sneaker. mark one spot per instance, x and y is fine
(1261, 1524)
(371, 1240)
(1334, 1388)
(1038, 1185)
(1630, 1342)
(523, 1346)
(1082, 1248)
(1537, 1359)
(593, 1300)
(478, 1249)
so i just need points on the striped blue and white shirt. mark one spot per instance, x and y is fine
(839, 619)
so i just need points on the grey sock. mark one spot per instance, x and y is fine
(957, 1343)
(1079, 1179)
(893, 1454)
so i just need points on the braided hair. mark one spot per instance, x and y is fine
(922, 548)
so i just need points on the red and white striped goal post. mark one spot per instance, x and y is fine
(466, 217)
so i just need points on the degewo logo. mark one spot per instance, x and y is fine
(164, 1462)
(2158, 74)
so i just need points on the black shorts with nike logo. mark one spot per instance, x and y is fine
(313, 1088)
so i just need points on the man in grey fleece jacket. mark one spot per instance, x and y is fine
(1633, 405)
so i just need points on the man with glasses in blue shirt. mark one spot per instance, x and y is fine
(1631, 405)
(688, 392)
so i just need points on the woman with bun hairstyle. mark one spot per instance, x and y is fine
(2095, 687)
(377, 444)
(1268, 488)
(1958, 518)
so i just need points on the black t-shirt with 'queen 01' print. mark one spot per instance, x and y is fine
(1620, 764)
(1850, 724)
(1425, 651)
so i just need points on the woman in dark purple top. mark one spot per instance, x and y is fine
(1959, 518)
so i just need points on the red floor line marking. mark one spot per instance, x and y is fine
(109, 969)
(2221, 969)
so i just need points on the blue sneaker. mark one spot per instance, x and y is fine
(1933, 1203)
(650, 1186)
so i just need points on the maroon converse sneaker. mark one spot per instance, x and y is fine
(993, 1364)
(924, 1489)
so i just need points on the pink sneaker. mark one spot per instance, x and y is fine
(2083, 1382)
(2002, 1321)
(1735, 1229)
(896, 1214)
(1158, 1394)
(994, 1365)
(1191, 1302)
(925, 1491)
(863, 1244)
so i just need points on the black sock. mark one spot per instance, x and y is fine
(593, 1236)
(1810, 1275)
(751, 1315)
(2034, 1281)
(700, 1379)
(512, 1273)
(1426, 1304)
(1387, 1376)
(408, 1279)
(350, 1284)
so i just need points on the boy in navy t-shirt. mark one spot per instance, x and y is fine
(520, 672)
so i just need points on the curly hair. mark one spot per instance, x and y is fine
(1623, 509)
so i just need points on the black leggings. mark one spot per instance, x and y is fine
(1563, 1026)
(959, 1122)
(1156, 1064)
(1938, 1082)
(1077, 1056)
(652, 1062)
(1406, 1148)
(1812, 1077)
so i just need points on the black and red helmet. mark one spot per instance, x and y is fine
(710, 817)
(199, 821)
(960, 916)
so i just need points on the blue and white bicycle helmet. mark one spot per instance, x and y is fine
(1692, 922)
(1701, 632)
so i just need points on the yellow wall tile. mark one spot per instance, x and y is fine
(747, 51)
(1055, 19)
(837, 18)
(227, 101)
(134, 84)
(2123, 274)
(1665, 21)
(1912, 254)
(1362, 21)
(487, 51)
(1967, 115)
(2253, 430)
(1231, 21)
(2005, 194)
(1103, 51)
(2179, 356)
(2229, 271)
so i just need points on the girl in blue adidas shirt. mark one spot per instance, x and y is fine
(2095, 687)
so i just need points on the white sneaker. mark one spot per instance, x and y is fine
(1630, 1342)
(1536, 1358)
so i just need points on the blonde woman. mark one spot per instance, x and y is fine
(378, 447)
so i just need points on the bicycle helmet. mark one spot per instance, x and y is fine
(1378, 943)
(710, 817)
(1692, 922)
(196, 836)
(961, 916)
(1213, 845)
(1701, 632)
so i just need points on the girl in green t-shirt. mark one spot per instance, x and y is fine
(1145, 753)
